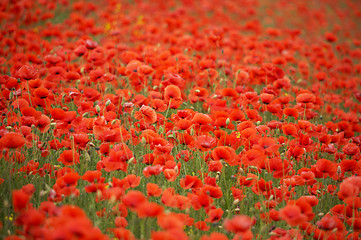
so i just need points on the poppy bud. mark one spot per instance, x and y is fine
(339, 171)
(171, 135)
(86, 156)
(97, 108)
(99, 193)
(107, 103)
(228, 121)
(112, 199)
(43, 193)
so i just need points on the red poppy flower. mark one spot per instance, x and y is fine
(253, 115)
(227, 154)
(201, 199)
(146, 113)
(198, 94)
(153, 190)
(133, 199)
(267, 144)
(20, 200)
(149, 209)
(326, 139)
(237, 115)
(330, 37)
(152, 170)
(71, 178)
(215, 166)
(353, 202)
(69, 157)
(27, 72)
(201, 225)
(253, 157)
(229, 92)
(239, 223)
(44, 123)
(291, 112)
(351, 149)
(190, 182)
(183, 124)
(349, 165)
(266, 98)
(57, 113)
(214, 215)
(120, 222)
(292, 214)
(202, 119)
(290, 129)
(355, 223)
(306, 98)
(171, 174)
(41, 92)
(118, 158)
(159, 105)
(12, 140)
(205, 142)
(171, 221)
(347, 189)
(326, 167)
(172, 92)
(215, 236)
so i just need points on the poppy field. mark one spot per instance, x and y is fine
(211, 120)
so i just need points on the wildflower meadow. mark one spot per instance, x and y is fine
(180, 119)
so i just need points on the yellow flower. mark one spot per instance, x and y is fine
(118, 7)
(10, 218)
(107, 26)
(140, 20)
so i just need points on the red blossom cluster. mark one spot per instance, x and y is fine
(208, 119)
